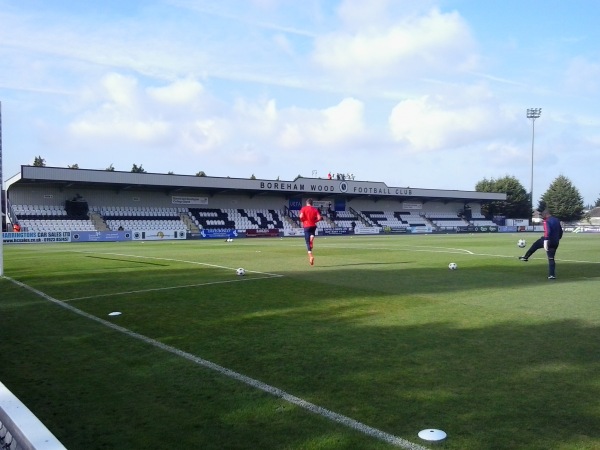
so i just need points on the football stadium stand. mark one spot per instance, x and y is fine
(49, 218)
(43, 199)
(446, 220)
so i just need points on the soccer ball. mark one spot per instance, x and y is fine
(452, 266)
(521, 243)
(241, 272)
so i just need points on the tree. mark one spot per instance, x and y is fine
(170, 172)
(516, 204)
(73, 166)
(39, 162)
(541, 205)
(253, 177)
(201, 174)
(564, 200)
(136, 169)
(110, 168)
(597, 202)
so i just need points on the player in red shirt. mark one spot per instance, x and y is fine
(309, 216)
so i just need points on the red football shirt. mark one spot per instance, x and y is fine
(309, 215)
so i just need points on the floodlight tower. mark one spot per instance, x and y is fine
(532, 113)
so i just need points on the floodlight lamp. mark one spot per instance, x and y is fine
(534, 113)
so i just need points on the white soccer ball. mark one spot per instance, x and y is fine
(452, 266)
(241, 272)
(521, 243)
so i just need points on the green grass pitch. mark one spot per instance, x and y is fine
(378, 331)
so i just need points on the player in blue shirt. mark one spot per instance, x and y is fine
(553, 233)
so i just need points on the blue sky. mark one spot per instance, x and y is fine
(427, 94)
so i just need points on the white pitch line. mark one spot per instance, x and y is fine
(268, 275)
(404, 247)
(541, 257)
(183, 286)
(319, 410)
(450, 250)
(577, 261)
(178, 260)
(454, 251)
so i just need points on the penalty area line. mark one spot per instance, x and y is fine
(279, 393)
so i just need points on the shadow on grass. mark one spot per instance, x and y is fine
(370, 278)
(510, 385)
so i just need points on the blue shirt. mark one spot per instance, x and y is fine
(552, 230)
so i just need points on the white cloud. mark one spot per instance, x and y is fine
(173, 116)
(444, 122)
(180, 92)
(121, 91)
(202, 136)
(258, 119)
(506, 155)
(249, 158)
(128, 130)
(356, 14)
(433, 43)
(328, 128)
(123, 111)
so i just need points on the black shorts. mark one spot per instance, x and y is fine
(310, 231)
